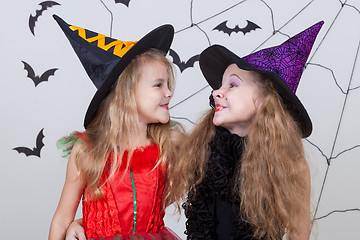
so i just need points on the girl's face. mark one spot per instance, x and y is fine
(236, 101)
(152, 94)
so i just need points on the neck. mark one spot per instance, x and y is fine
(139, 137)
(240, 131)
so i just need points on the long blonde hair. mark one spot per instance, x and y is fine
(115, 123)
(268, 182)
(189, 169)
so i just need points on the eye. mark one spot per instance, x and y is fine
(159, 85)
(234, 81)
(232, 85)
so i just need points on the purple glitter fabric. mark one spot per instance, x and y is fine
(288, 59)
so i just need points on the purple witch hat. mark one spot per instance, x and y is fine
(283, 65)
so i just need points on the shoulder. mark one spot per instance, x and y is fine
(177, 137)
(66, 144)
(79, 156)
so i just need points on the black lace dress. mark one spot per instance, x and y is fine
(213, 212)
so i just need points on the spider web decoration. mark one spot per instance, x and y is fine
(350, 86)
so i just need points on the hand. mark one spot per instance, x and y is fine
(75, 231)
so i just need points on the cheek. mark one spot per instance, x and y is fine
(252, 107)
(252, 100)
(245, 107)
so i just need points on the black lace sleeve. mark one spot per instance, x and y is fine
(200, 222)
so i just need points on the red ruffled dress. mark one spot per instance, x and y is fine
(131, 207)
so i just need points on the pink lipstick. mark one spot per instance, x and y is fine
(218, 107)
(165, 106)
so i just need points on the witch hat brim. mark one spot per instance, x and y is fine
(111, 66)
(215, 59)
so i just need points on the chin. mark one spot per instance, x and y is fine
(165, 120)
(217, 122)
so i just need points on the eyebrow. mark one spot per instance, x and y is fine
(233, 74)
(161, 80)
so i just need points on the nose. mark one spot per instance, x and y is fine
(217, 94)
(168, 93)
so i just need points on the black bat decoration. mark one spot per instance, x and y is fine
(36, 79)
(36, 150)
(33, 19)
(250, 26)
(125, 2)
(182, 65)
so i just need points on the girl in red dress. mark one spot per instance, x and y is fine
(118, 166)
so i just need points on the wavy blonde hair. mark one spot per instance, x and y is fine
(189, 169)
(115, 123)
(269, 181)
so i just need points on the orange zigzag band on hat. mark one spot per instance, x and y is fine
(120, 47)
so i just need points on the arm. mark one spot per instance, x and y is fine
(76, 231)
(69, 200)
(302, 221)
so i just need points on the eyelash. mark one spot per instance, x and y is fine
(233, 85)
(158, 85)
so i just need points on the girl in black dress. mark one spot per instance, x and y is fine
(248, 175)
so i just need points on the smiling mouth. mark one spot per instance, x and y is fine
(218, 108)
(165, 106)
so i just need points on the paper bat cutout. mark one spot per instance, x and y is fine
(36, 150)
(250, 26)
(33, 19)
(182, 65)
(125, 2)
(36, 79)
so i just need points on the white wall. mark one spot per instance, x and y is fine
(329, 89)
